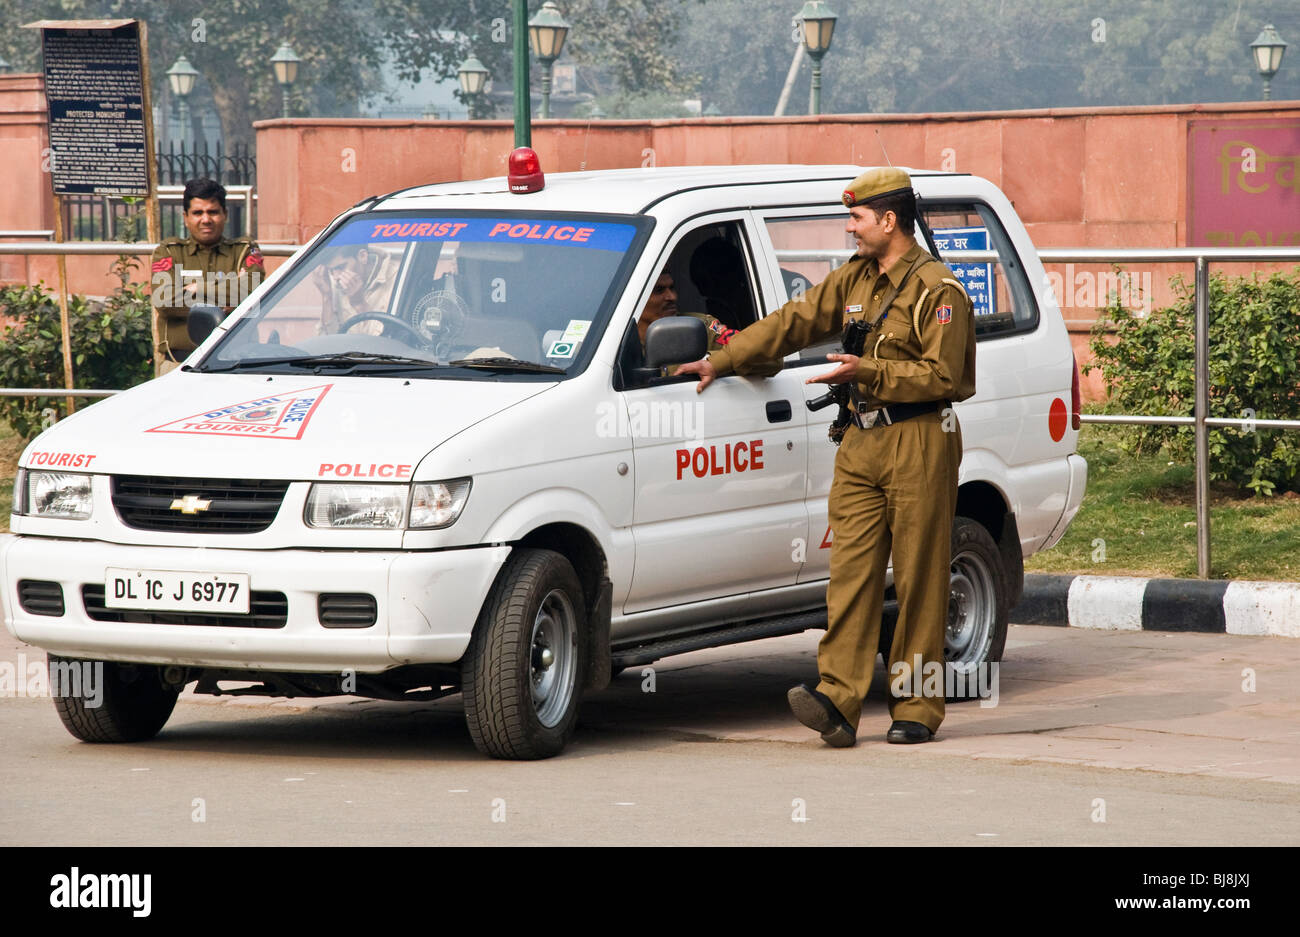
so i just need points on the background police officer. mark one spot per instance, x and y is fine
(895, 486)
(203, 268)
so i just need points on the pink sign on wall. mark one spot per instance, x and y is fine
(1243, 186)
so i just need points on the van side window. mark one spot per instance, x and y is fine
(998, 289)
(711, 274)
(807, 250)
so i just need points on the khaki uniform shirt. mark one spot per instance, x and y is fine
(231, 269)
(923, 350)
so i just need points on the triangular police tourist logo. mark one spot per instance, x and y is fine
(282, 416)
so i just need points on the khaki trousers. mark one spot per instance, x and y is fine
(895, 488)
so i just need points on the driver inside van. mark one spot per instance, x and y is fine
(353, 280)
(663, 303)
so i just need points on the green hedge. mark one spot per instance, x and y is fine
(111, 343)
(1254, 367)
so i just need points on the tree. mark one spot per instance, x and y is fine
(626, 45)
(231, 44)
(914, 57)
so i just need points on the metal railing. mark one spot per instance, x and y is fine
(1201, 257)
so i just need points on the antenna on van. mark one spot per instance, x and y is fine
(881, 141)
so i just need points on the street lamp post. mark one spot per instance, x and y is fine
(473, 77)
(285, 64)
(180, 78)
(546, 32)
(818, 24)
(1268, 49)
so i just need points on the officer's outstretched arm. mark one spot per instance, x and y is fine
(814, 317)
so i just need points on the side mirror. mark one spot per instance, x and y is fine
(675, 340)
(201, 322)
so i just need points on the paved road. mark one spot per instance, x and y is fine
(1098, 738)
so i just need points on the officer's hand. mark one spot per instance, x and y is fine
(841, 375)
(703, 369)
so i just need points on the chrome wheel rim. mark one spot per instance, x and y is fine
(553, 658)
(972, 610)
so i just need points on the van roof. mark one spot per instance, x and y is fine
(624, 191)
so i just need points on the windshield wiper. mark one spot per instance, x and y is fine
(507, 364)
(345, 359)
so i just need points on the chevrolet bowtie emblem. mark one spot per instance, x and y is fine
(190, 504)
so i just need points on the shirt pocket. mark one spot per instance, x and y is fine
(890, 343)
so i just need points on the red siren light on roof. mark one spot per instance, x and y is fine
(524, 171)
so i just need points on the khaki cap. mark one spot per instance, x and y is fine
(876, 183)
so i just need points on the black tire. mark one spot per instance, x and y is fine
(135, 706)
(978, 607)
(517, 704)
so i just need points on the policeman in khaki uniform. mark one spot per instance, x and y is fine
(895, 483)
(185, 270)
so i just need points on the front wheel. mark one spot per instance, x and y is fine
(115, 702)
(523, 673)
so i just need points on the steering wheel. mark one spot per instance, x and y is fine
(419, 341)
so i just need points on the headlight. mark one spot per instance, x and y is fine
(376, 507)
(438, 504)
(58, 494)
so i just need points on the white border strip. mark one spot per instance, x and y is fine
(1106, 603)
(1262, 608)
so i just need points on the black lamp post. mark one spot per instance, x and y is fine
(546, 32)
(818, 24)
(1268, 49)
(285, 64)
(473, 76)
(181, 78)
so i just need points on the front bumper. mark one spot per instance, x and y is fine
(427, 604)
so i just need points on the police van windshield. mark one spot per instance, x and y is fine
(436, 295)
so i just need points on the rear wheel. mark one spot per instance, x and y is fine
(523, 674)
(978, 606)
(116, 702)
(975, 633)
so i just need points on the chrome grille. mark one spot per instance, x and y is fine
(235, 505)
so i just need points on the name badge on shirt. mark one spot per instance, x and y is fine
(852, 309)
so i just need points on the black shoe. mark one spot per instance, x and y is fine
(818, 713)
(908, 733)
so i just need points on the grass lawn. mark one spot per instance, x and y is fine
(1143, 509)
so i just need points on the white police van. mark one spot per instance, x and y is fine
(477, 480)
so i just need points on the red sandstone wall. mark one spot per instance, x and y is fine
(1107, 177)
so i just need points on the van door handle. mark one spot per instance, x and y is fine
(778, 411)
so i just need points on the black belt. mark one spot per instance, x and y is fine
(895, 413)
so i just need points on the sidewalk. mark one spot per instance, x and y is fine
(1119, 603)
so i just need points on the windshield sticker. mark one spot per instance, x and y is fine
(576, 330)
(563, 349)
(284, 416)
(598, 235)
